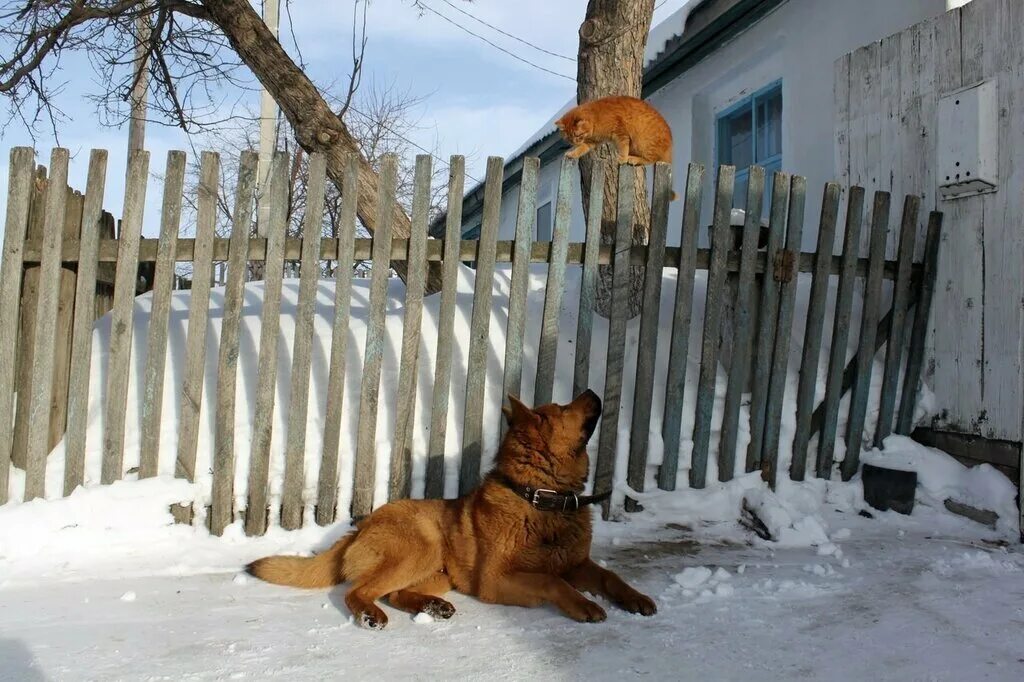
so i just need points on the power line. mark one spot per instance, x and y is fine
(506, 33)
(495, 46)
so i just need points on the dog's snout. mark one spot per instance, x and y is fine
(592, 398)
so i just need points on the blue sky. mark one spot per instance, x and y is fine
(477, 100)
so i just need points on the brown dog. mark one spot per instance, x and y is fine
(522, 538)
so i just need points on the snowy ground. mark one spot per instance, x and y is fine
(90, 593)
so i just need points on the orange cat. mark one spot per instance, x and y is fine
(639, 132)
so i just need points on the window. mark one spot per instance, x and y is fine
(544, 223)
(750, 132)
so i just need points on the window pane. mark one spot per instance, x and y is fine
(769, 125)
(737, 139)
(544, 223)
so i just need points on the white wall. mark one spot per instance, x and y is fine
(797, 43)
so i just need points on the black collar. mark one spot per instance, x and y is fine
(544, 499)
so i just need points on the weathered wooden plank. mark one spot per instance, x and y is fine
(608, 438)
(292, 503)
(257, 498)
(195, 342)
(118, 366)
(866, 167)
(369, 392)
(784, 328)
(526, 220)
(588, 285)
(400, 481)
(813, 327)
(766, 320)
(19, 197)
(919, 330)
(740, 366)
(540, 252)
(62, 340)
(434, 485)
(706, 383)
(841, 96)
(900, 304)
(547, 351)
(840, 338)
(327, 485)
(868, 329)
(476, 365)
(647, 344)
(679, 344)
(85, 302)
(46, 321)
(163, 281)
(222, 492)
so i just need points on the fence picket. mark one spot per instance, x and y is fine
(720, 243)
(223, 485)
(526, 220)
(369, 393)
(120, 344)
(400, 480)
(85, 313)
(647, 345)
(740, 365)
(900, 305)
(814, 325)
(19, 196)
(327, 485)
(588, 284)
(547, 351)
(919, 331)
(617, 320)
(46, 320)
(679, 344)
(840, 339)
(434, 485)
(767, 319)
(783, 329)
(62, 340)
(195, 341)
(257, 498)
(163, 281)
(476, 366)
(302, 347)
(868, 330)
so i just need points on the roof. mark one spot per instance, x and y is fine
(688, 35)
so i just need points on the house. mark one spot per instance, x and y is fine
(739, 81)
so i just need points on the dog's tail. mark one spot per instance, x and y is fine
(322, 570)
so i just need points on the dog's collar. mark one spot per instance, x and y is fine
(545, 499)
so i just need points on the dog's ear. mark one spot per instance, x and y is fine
(518, 412)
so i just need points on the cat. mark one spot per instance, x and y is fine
(640, 134)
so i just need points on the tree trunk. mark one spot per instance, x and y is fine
(317, 128)
(610, 62)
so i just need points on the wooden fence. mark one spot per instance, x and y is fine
(767, 282)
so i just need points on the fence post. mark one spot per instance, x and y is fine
(63, 340)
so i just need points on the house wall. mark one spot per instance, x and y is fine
(796, 43)
(887, 138)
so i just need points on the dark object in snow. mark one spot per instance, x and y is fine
(985, 517)
(866, 514)
(886, 489)
(750, 521)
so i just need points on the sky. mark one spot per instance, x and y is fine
(476, 99)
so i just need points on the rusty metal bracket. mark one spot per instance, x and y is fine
(784, 267)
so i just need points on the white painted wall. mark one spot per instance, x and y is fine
(797, 43)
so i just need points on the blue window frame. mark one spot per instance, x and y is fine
(750, 132)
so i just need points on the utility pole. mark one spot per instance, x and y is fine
(268, 129)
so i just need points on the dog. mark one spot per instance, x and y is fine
(522, 538)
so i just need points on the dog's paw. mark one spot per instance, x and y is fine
(639, 603)
(373, 622)
(586, 611)
(439, 608)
